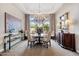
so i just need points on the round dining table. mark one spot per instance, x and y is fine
(38, 37)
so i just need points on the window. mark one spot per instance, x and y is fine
(43, 23)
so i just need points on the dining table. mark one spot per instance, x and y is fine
(38, 37)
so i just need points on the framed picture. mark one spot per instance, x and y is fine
(12, 24)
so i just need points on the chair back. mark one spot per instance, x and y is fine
(48, 36)
(29, 36)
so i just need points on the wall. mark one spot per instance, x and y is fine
(12, 10)
(73, 10)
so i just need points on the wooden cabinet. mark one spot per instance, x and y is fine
(67, 40)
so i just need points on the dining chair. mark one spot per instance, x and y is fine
(47, 40)
(30, 40)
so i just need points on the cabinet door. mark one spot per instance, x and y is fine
(73, 41)
(67, 41)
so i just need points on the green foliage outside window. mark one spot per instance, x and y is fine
(46, 27)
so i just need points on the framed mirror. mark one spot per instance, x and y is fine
(63, 19)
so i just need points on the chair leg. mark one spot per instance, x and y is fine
(47, 45)
(31, 44)
(50, 43)
(28, 43)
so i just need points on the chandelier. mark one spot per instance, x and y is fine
(39, 15)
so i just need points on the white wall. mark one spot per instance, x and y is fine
(9, 8)
(73, 10)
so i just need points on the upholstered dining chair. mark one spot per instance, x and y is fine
(47, 39)
(30, 40)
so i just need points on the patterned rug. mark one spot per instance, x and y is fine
(39, 45)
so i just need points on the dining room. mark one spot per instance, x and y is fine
(39, 29)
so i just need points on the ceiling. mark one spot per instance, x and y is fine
(38, 8)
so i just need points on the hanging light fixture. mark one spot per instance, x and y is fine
(39, 8)
(39, 18)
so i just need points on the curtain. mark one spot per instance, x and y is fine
(52, 23)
